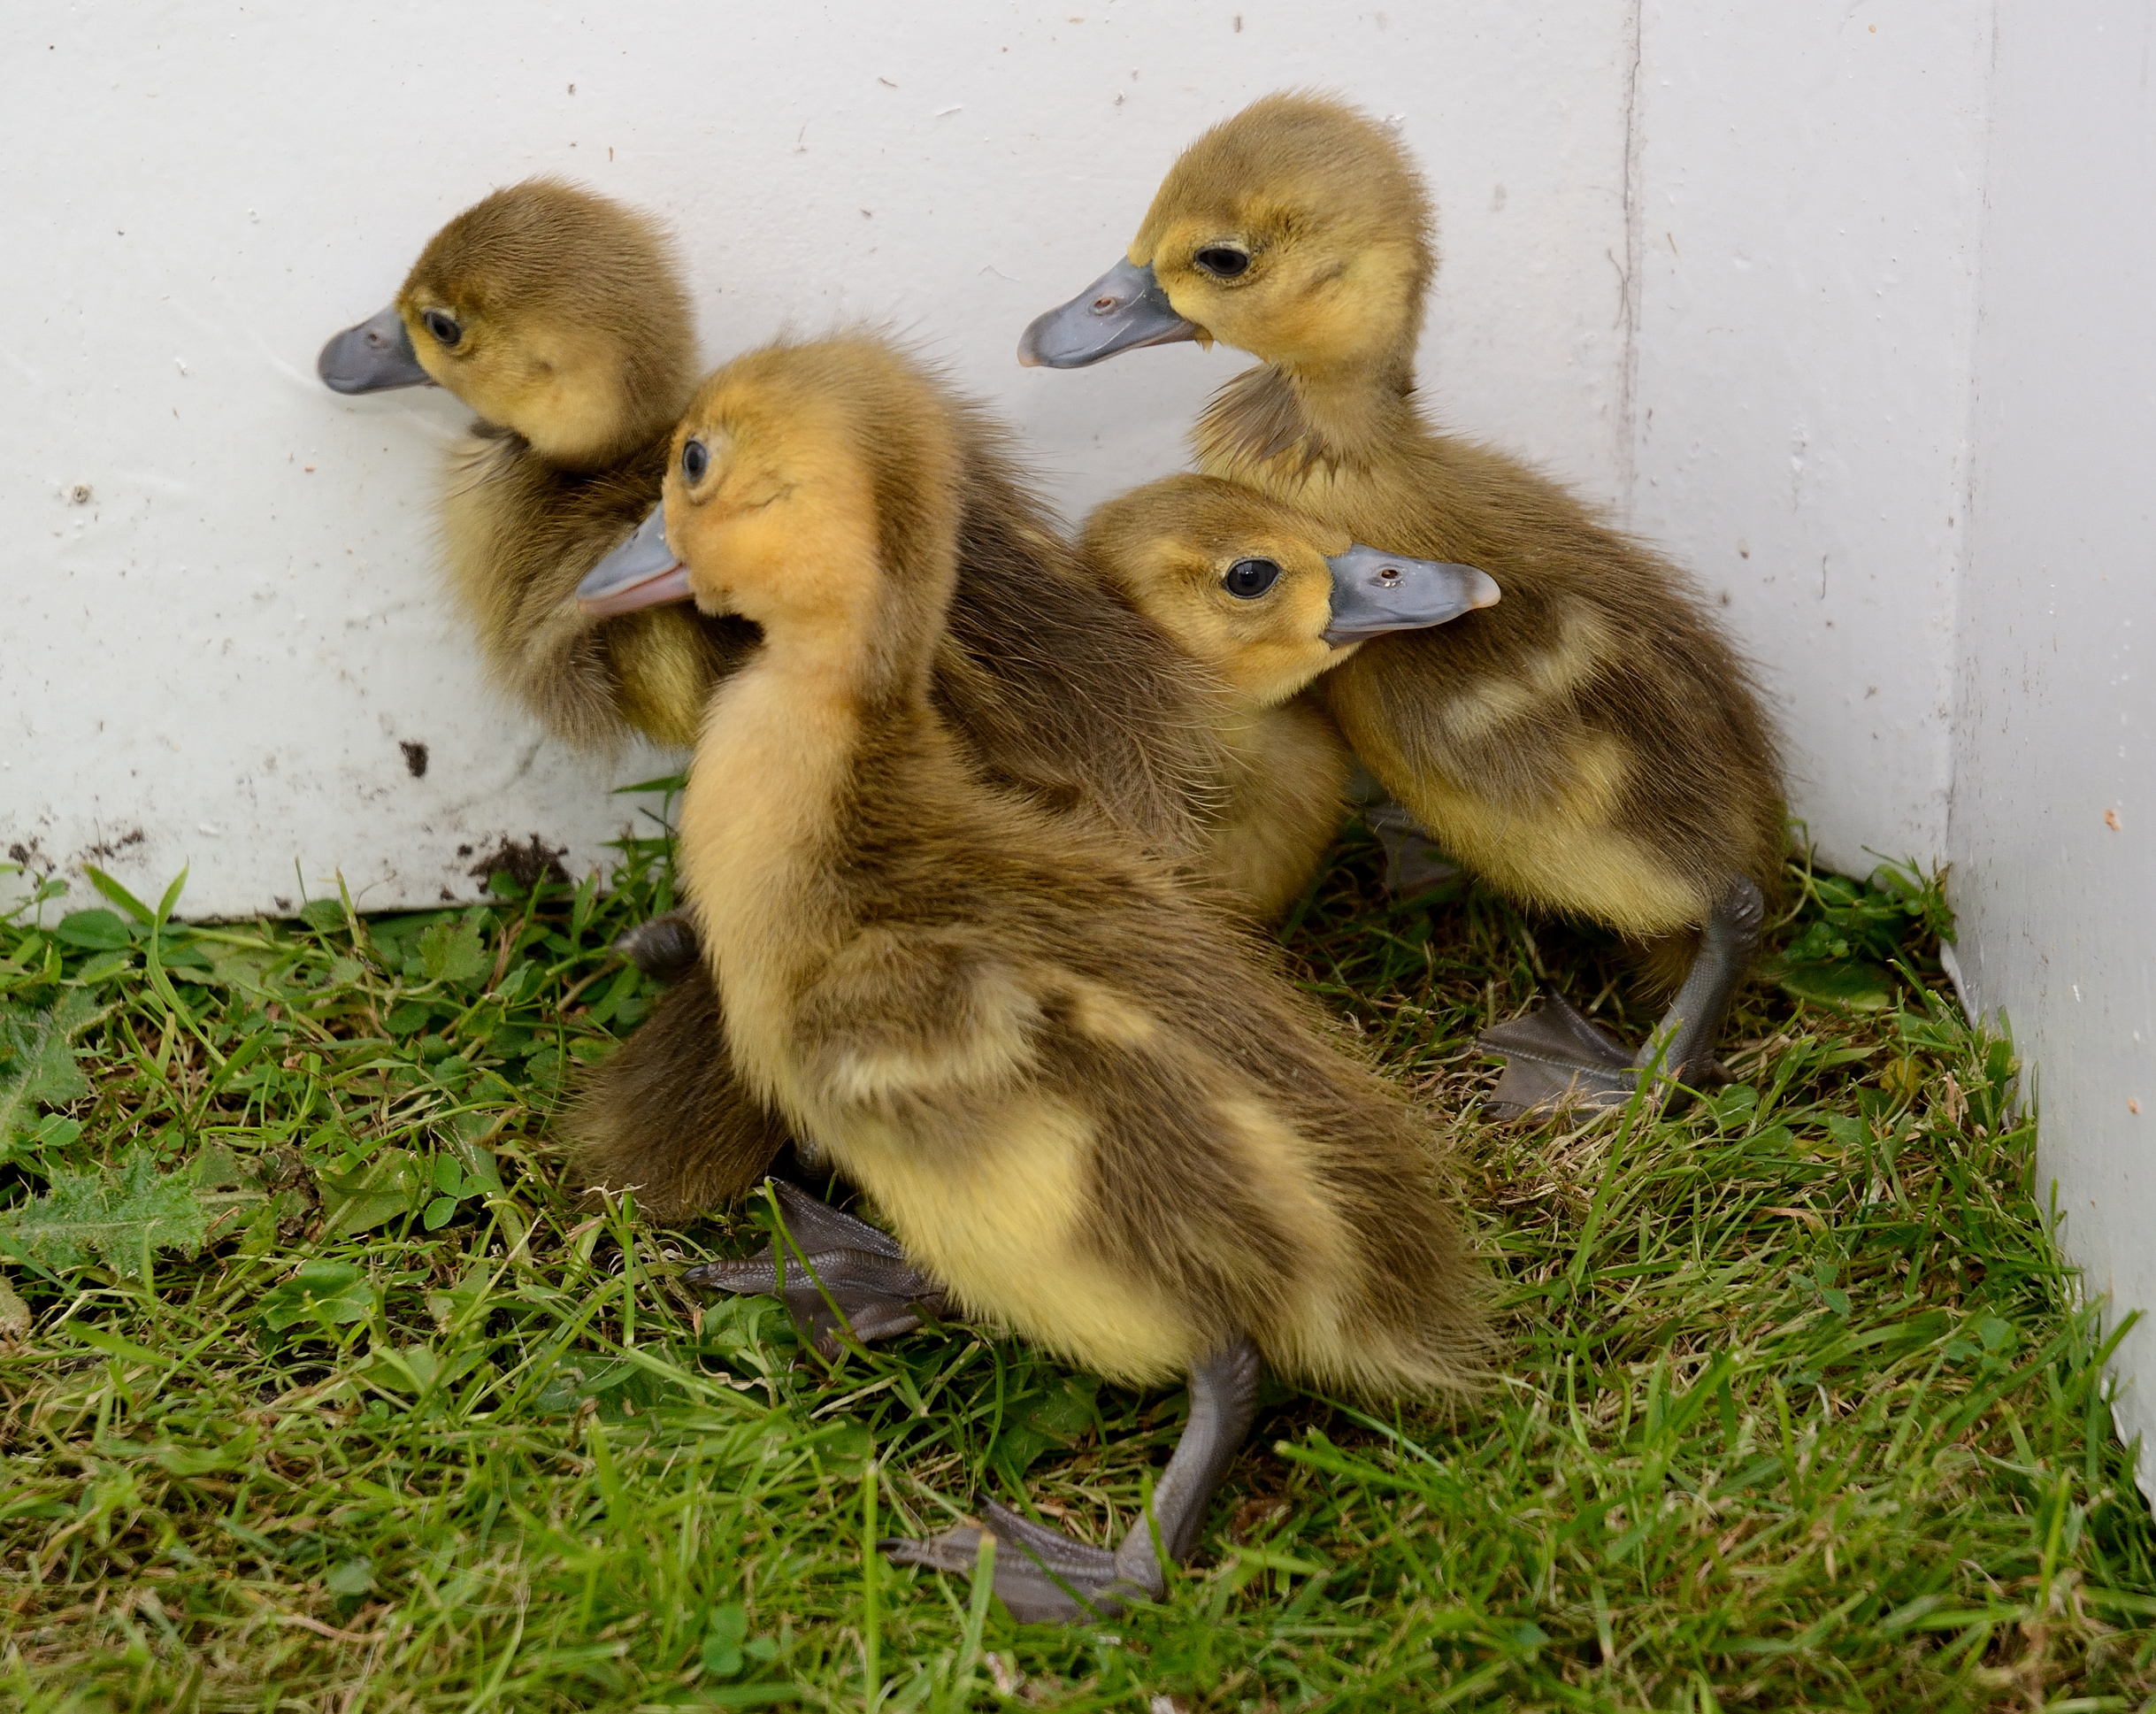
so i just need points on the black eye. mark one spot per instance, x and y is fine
(446, 328)
(1250, 578)
(696, 459)
(1223, 260)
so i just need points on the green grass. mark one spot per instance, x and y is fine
(318, 1393)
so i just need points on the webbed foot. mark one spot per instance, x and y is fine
(665, 947)
(1046, 1579)
(1555, 1057)
(1042, 1576)
(1412, 863)
(1558, 1058)
(837, 1275)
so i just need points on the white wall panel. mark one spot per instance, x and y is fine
(223, 648)
(2054, 813)
(1807, 204)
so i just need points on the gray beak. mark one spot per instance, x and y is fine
(372, 358)
(1122, 309)
(1376, 593)
(640, 573)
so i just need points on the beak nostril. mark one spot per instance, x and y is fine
(1104, 304)
(1390, 574)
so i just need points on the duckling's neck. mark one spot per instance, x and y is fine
(1280, 422)
(776, 781)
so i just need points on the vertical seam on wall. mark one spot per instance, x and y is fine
(1969, 981)
(1628, 284)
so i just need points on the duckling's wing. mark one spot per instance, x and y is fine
(912, 1011)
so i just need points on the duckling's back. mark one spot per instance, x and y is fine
(1061, 691)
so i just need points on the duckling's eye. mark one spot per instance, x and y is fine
(1223, 260)
(1250, 578)
(446, 328)
(696, 459)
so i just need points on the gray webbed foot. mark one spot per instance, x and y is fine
(837, 1275)
(1042, 1576)
(665, 948)
(1557, 1058)
(1412, 863)
(1045, 1578)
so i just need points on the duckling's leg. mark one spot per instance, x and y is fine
(1556, 1056)
(1412, 863)
(665, 948)
(1046, 1579)
(834, 1266)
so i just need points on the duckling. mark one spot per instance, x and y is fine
(1592, 745)
(983, 1010)
(1058, 691)
(1266, 598)
(560, 317)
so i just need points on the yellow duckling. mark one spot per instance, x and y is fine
(1266, 598)
(1058, 692)
(560, 317)
(1095, 1114)
(1592, 745)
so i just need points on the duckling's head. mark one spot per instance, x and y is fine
(1298, 231)
(1265, 595)
(548, 310)
(815, 488)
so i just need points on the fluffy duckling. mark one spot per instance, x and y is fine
(560, 317)
(1592, 745)
(1056, 690)
(983, 1010)
(1266, 598)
